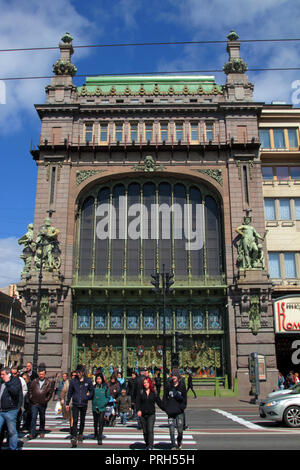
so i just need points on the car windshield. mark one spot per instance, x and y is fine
(295, 389)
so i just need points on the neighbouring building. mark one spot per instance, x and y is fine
(137, 173)
(12, 327)
(280, 159)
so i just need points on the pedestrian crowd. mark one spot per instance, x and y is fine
(24, 396)
(291, 379)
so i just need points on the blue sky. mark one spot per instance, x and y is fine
(42, 24)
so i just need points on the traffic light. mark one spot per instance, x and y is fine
(178, 341)
(169, 282)
(155, 282)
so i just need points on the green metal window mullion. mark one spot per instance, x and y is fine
(78, 246)
(204, 239)
(126, 236)
(141, 273)
(189, 235)
(172, 233)
(109, 239)
(94, 242)
(74, 359)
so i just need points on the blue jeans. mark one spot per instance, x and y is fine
(10, 417)
(35, 410)
(123, 416)
(176, 423)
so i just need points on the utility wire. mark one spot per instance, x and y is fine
(149, 44)
(265, 69)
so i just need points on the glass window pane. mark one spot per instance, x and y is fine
(194, 132)
(182, 319)
(168, 319)
(282, 173)
(84, 318)
(267, 172)
(198, 318)
(116, 318)
(88, 132)
(149, 132)
(119, 132)
(149, 319)
(274, 264)
(133, 132)
(164, 132)
(290, 265)
(285, 209)
(297, 208)
(179, 131)
(209, 132)
(278, 135)
(293, 141)
(133, 317)
(103, 133)
(295, 172)
(270, 213)
(100, 319)
(214, 319)
(264, 136)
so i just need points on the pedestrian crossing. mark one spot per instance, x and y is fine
(119, 437)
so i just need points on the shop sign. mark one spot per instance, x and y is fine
(287, 314)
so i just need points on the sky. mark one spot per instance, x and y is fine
(42, 24)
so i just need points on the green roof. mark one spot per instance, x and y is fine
(150, 85)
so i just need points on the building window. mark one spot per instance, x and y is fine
(267, 173)
(290, 265)
(100, 319)
(89, 128)
(282, 173)
(163, 132)
(274, 264)
(285, 209)
(149, 132)
(278, 136)
(264, 136)
(297, 208)
(209, 131)
(134, 132)
(295, 172)
(194, 132)
(103, 133)
(179, 131)
(119, 132)
(84, 318)
(270, 212)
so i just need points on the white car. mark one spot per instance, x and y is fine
(278, 393)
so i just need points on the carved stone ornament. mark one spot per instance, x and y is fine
(254, 314)
(64, 67)
(217, 175)
(148, 165)
(44, 314)
(236, 65)
(250, 251)
(82, 175)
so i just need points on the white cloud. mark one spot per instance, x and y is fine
(10, 263)
(36, 24)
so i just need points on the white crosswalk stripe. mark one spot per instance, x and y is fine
(120, 436)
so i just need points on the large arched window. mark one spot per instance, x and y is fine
(131, 229)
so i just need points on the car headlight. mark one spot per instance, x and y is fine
(271, 403)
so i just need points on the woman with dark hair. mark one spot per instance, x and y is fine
(145, 405)
(100, 400)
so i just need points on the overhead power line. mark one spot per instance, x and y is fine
(167, 43)
(178, 72)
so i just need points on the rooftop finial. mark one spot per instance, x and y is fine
(67, 38)
(232, 36)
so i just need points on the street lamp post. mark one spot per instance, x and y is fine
(40, 245)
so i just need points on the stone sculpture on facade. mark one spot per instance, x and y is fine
(47, 249)
(28, 250)
(250, 251)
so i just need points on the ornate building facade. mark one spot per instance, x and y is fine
(137, 175)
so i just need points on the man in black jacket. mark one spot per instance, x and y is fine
(174, 404)
(80, 391)
(10, 394)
